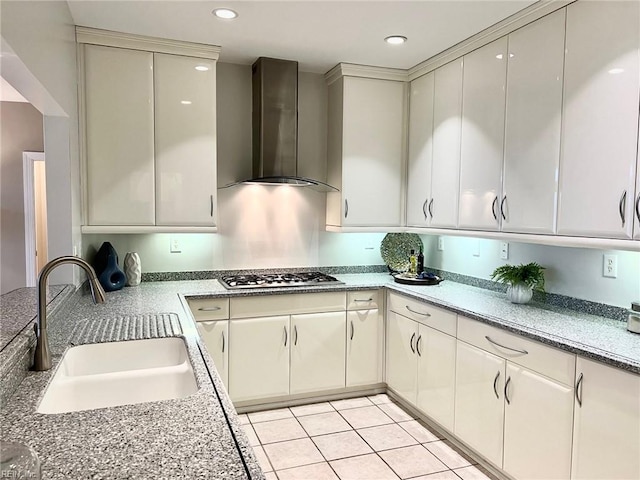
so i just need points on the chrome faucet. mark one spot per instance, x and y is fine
(42, 358)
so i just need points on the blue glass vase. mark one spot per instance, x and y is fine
(106, 266)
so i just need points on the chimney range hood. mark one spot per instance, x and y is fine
(275, 126)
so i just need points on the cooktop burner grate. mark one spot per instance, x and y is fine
(272, 280)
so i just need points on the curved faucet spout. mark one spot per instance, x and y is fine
(42, 357)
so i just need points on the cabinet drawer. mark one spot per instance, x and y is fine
(540, 358)
(363, 300)
(422, 312)
(288, 304)
(204, 309)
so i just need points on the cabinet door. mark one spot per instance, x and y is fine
(532, 130)
(538, 424)
(402, 363)
(364, 347)
(636, 205)
(215, 336)
(118, 87)
(447, 118)
(436, 375)
(185, 133)
(606, 438)
(481, 146)
(600, 119)
(317, 352)
(479, 404)
(259, 358)
(372, 148)
(420, 151)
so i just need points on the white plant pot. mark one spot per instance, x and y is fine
(519, 293)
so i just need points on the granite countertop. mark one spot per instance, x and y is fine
(199, 436)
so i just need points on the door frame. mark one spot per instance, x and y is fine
(28, 159)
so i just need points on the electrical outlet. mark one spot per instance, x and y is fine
(504, 250)
(441, 244)
(610, 266)
(175, 246)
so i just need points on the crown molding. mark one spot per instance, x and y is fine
(365, 71)
(108, 38)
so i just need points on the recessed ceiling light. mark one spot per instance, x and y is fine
(615, 71)
(185, 102)
(225, 13)
(202, 68)
(396, 39)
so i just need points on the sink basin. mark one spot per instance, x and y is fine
(120, 373)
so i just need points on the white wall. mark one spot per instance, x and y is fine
(39, 60)
(575, 272)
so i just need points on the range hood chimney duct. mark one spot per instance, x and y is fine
(275, 125)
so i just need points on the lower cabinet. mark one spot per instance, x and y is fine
(606, 439)
(216, 338)
(364, 347)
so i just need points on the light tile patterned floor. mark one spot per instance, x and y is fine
(368, 438)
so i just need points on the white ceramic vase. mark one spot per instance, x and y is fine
(132, 269)
(519, 293)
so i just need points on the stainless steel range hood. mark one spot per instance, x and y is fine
(275, 126)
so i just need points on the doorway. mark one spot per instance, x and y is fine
(35, 215)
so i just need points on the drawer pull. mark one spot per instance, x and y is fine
(209, 309)
(363, 300)
(418, 345)
(411, 343)
(495, 384)
(417, 313)
(223, 345)
(524, 352)
(506, 390)
(351, 336)
(579, 389)
(286, 336)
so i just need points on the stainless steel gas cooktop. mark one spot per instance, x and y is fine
(273, 280)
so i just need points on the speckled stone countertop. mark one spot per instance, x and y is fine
(199, 436)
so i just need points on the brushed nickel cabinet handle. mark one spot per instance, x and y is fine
(209, 309)
(579, 389)
(506, 390)
(211, 201)
(524, 352)
(351, 336)
(495, 384)
(638, 207)
(622, 205)
(493, 208)
(346, 208)
(418, 345)
(295, 335)
(417, 313)
(504, 199)
(431, 208)
(360, 300)
(424, 208)
(223, 342)
(411, 343)
(286, 336)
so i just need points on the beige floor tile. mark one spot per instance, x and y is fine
(396, 412)
(473, 473)
(317, 471)
(293, 453)
(448, 455)
(365, 467)
(251, 435)
(270, 476)
(269, 415)
(351, 403)
(262, 458)
(324, 423)
(412, 461)
(365, 417)
(386, 437)
(341, 445)
(418, 431)
(446, 475)
(312, 409)
(279, 430)
(243, 419)
(380, 398)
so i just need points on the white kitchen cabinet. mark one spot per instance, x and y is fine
(365, 332)
(482, 139)
(259, 358)
(317, 352)
(479, 402)
(447, 125)
(606, 437)
(118, 108)
(420, 150)
(402, 368)
(185, 140)
(600, 119)
(636, 206)
(365, 152)
(215, 335)
(532, 128)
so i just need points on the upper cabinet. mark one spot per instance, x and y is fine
(365, 152)
(481, 144)
(532, 127)
(149, 151)
(600, 119)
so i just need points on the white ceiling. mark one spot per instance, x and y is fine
(317, 33)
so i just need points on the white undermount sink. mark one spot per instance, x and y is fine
(109, 374)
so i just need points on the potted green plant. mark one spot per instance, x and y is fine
(522, 280)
